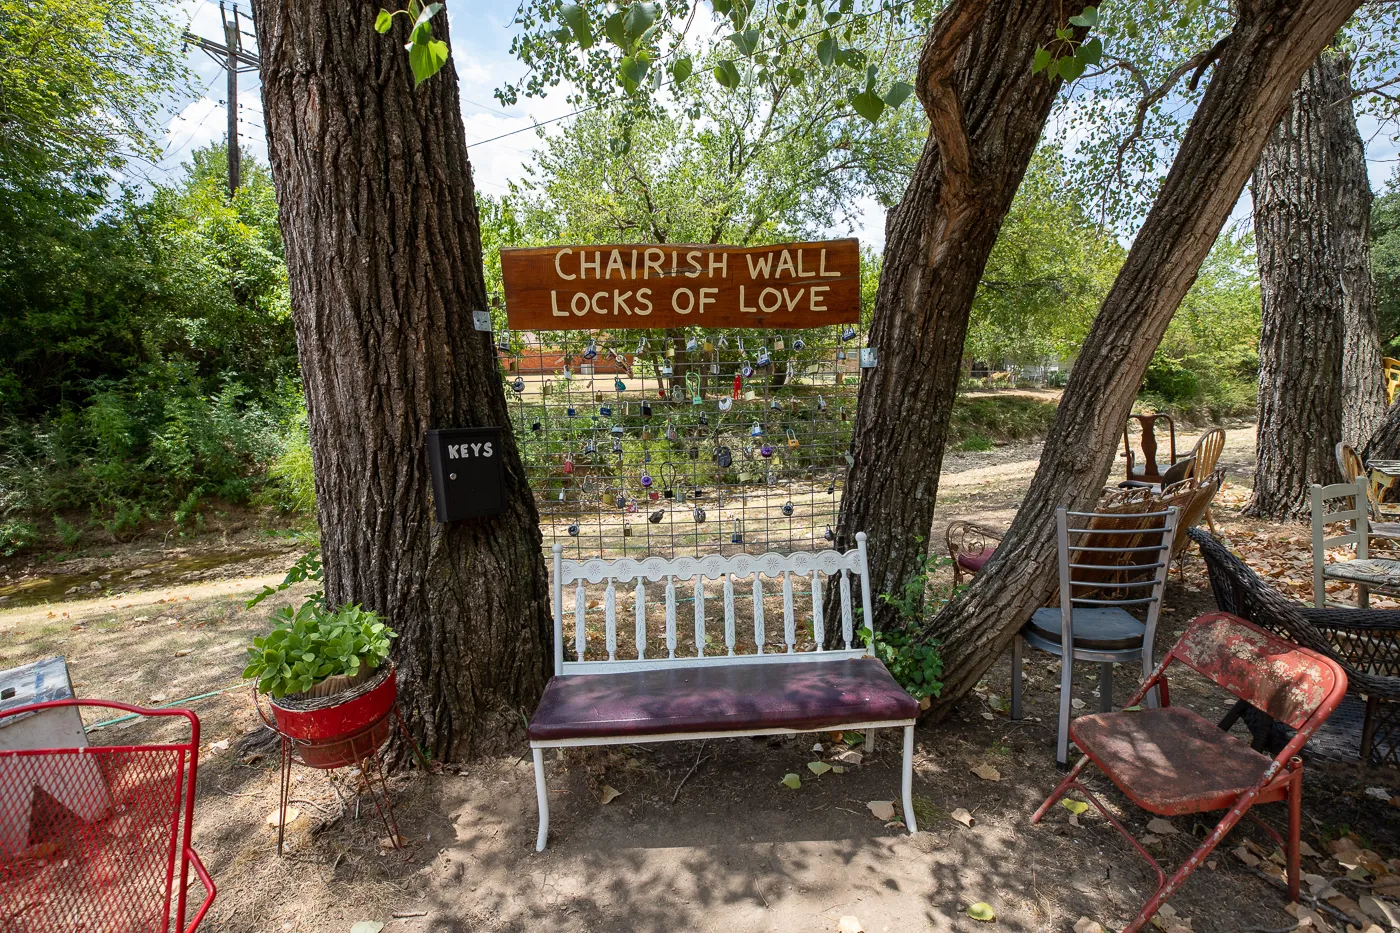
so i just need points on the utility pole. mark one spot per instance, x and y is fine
(235, 61)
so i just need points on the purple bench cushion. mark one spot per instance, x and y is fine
(721, 697)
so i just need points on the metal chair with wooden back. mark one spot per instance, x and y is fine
(1149, 473)
(1117, 561)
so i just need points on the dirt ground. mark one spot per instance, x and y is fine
(702, 836)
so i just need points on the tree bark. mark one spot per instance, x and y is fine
(383, 251)
(986, 111)
(1363, 381)
(1385, 442)
(1257, 67)
(1310, 227)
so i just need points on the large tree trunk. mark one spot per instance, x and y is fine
(384, 258)
(1363, 381)
(1305, 228)
(1256, 69)
(986, 111)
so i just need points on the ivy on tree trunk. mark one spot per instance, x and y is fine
(379, 218)
(1256, 68)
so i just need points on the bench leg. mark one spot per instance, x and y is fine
(869, 741)
(542, 796)
(908, 780)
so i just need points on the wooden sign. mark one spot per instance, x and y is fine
(641, 286)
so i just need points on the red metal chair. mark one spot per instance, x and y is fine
(1171, 761)
(98, 838)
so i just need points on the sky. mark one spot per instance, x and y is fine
(481, 52)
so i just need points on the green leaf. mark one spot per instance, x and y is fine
(826, 51)
(617, 35)
(633, 68)
(681, 69)
(1091, 51)
(898, 93)
(746, 41)
(422, 29)
(1074, 806)
(833, 18)
(576, 18)
(1070, 67)
(792, 781)
(383, 22)
(726, 74)
(868, 105)
(1088, 18)
(1064, 33)
(638, 19)
(818, 767)
(1044, 58)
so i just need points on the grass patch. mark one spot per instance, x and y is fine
(980, 422)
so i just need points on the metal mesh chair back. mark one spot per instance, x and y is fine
(97, 838)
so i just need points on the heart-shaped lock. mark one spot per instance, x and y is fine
(646, 409)
(655, 517)
(573, 530)
(725, 403)
(646, 479)
(698, 514)
(518, 385)
(590, 352)
(568, 463)
(737, 535)
(724, 457)
(787, 508)
(848, 333)
(766, 450)
(792, 440)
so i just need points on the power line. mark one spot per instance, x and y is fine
(231, 57)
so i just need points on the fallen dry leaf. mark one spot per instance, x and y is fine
(818, 767)
(1074, 806)
(792, 781)
(367, 926)
(849, 924)
(986, 772)
(219, 746)
(1246, 856)
(1347, 906)
(982, 911)
(610, 793)
(962, 816)
(848, 756)
(883, 809)
(1382, 911)
(1085, 925)
(292, 814)
(387, 842)
(1161, 827)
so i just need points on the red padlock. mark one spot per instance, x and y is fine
(738, 386)
(568, 463)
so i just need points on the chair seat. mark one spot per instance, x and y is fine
(802, 696)
(975, 562)
(1384, 529)
(1107, 628)
(1171, 760)
(1372, 571)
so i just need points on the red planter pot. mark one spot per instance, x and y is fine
(343, 735)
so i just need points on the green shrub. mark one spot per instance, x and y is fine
(293, 486)
(312, 643)
(976, 443)
(17, 536)
(914, 662)
(69, 534)
(999, 418)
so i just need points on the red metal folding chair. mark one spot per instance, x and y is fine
(1171, 761)
(98, 838)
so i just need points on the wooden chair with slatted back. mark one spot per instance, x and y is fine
(1390, 368)
(1206, 454)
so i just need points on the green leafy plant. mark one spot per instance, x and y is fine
(312, 643)
(68, 533)
(915, 666)
(1067, 56)
(426, 55)
(307, 567)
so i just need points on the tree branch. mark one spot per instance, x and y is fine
(1195, 65)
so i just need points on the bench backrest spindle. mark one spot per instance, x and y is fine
(804, 632)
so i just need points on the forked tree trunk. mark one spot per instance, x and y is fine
(384, 258)
(1257, 67)
(986, 111)
(1304, 229)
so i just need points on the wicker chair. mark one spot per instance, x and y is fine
(1366, 642)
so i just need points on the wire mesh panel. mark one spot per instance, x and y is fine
(684, 441)
(87, 838)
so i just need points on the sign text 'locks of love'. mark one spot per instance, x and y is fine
(637, 285)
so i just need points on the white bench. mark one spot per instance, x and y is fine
(655, 694)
